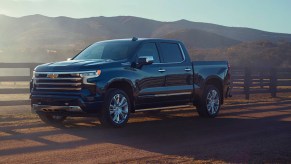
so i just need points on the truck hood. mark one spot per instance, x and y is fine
(74, 65)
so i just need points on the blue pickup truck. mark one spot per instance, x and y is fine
(111, 79)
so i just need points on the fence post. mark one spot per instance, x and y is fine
(261, 79)
(247, 82)
(273, 82)
(30, 70)
(31, 67)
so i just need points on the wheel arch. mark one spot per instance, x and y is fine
(124, 85)
(217, 82)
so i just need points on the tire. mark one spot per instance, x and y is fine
(210, 103)
(52, 119)
(116, 109)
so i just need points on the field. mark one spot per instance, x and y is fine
(256, 131)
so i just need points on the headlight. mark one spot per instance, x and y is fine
(33, 74)
(91, 74)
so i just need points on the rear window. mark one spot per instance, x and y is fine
(171, 52)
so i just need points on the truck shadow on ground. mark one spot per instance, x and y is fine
(242, 133)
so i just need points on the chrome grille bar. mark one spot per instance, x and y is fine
(59, 82)
(72, 84)
(45, 78)
(51, 88)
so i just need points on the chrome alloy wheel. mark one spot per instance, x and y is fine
(212, 102)
(118, 108)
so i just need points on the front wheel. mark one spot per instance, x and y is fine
(210, 104)
(115, 111)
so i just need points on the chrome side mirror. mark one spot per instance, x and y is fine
(145, 60)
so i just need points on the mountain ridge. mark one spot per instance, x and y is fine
(177, 21)
(124, 26)
(37, 36)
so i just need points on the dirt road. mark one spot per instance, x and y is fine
(244, 132)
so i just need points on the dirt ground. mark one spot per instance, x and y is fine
(245, 131)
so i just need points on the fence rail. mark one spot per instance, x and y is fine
(246, 81)
(30, 66)
(249, 81)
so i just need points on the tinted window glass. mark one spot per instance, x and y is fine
(149, 49)
(171, 52)
(117, 50)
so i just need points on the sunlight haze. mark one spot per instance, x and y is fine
(268, 15)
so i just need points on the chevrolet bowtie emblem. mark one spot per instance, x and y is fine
(52, 76)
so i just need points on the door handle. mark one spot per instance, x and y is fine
(162, 70)
(187, 69)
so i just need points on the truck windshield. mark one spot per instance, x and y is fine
(114, 50)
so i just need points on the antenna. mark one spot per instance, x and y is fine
(134, 39)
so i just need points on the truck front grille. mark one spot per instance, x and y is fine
(58, 81)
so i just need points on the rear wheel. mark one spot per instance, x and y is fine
(210, 103)
(115, 111)
(51, 119)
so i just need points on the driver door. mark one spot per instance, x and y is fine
(151, 81)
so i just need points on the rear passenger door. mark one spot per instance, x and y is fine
(177, 71)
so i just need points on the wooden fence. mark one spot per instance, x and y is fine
(26, 78)
(246, 81)
(249, 81)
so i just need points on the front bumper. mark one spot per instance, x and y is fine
(64, 105)
(48, 108)
(58, 110)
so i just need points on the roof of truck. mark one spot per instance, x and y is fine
(134, 39)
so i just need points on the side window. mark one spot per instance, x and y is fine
(171, 52)
(149, 49)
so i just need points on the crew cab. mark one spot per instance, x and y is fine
(114, 78)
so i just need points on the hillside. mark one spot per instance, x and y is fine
(250, 54)
(200, 39)
(236, 33)
(37, 38)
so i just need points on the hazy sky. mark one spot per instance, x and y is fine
(268, 15)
